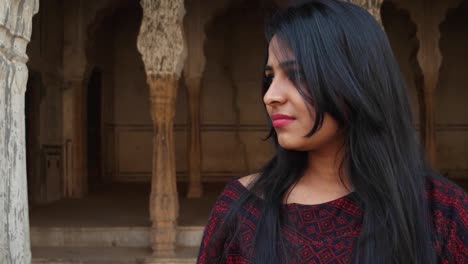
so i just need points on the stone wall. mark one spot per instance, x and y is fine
(451, 94)
(232, 115)
(233, 119)
(132, 120)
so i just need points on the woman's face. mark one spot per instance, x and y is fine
(288, 110)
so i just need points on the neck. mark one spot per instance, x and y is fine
(327, 167)
(323, 180)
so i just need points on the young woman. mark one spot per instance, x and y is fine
(348, 183)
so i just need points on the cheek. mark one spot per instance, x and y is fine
(327, 134)
(306, 120)
(296, 140)
(304, 111)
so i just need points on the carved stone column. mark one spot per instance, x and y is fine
(75, 182)
(428, 16)
(193, 71)
(200, 13)
(74, 101)
(161, 44)
(164, 202)
(195, 189)
(15, 33)
(372, 6)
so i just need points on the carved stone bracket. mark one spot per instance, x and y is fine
(372, 6)
(161, 40)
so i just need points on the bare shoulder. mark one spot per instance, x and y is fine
(246, 180)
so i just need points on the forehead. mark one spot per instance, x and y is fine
(278, 52)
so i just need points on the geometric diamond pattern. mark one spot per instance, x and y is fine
(327, 233)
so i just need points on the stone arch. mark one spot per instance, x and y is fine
(401, 31)
(428, 17)
(453, 44)
(80, 31)
(234, 50)
(93, 26)
(452, 93)
(199, 13)
(100, 32)
(104, 13)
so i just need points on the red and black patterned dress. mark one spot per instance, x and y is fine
(327, 233)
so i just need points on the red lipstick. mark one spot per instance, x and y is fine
(280, 120)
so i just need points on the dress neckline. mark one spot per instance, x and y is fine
(350, 197)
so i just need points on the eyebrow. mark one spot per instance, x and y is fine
(282, 65)
(268, 68)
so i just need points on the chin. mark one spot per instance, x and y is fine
(291, 144)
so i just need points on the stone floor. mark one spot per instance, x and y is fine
(68, 255)
(126, 205)
(120, 205)
(107, 212)
(110, 256)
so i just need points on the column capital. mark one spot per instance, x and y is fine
(161, 41)
(372, 6)
(16, 27)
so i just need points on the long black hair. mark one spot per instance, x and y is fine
(349, 71)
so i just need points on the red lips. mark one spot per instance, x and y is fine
(280, 120)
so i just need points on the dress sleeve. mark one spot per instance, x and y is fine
(451, 224)
(214, 237)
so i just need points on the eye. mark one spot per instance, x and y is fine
(296, 76)
(267, 80)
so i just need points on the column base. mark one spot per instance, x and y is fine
(182, 255)
(163, 239)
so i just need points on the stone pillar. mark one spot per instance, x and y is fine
(200, 13)
(372, 6)
(74, 100)
(193, 72)
(427, 16)
(161, 44)
(164, 202)
(75, 182)
(15, 32)
(195, 188)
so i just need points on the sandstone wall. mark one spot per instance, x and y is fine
(451, 110)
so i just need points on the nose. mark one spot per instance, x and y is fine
(274, 94)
